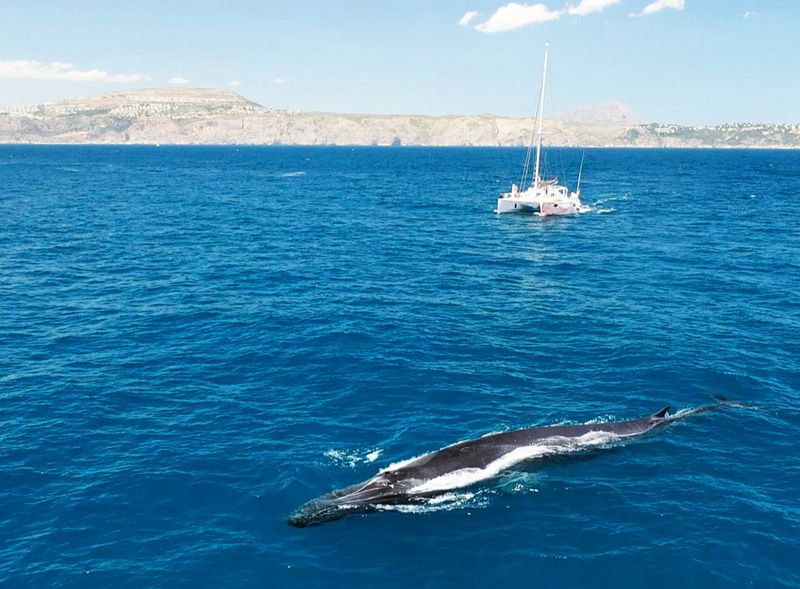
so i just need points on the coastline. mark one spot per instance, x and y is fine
(185, 116)
(404, 146)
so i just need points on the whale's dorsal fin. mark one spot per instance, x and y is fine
(661, 414)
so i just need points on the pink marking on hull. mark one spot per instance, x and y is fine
(552, 208)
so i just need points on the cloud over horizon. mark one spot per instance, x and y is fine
(660, 5)
(585, 7)
(514, 16)
(30, 69)
(467, 18)
(178, 80)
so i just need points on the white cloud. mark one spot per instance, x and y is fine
(467, 18)
(660, 5)
(29, 69)
(178, 80)
(235, 83)
(513, 16)
(749, 13)
(585, 7)
(277, 81)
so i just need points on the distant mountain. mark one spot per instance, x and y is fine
(161, 115)
(156, 100)
(217, 116)
(608, 113)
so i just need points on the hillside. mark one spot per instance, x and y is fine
(217, 116)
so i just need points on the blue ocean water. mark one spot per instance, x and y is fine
(194, 341)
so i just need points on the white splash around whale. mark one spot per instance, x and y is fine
(444, 502)
(352, 458)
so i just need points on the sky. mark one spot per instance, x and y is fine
(673, 61)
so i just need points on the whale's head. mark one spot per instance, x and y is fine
(324, 510)
(316, 512)
(359, 498)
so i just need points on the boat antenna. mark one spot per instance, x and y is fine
(541, 116)
(580, 173)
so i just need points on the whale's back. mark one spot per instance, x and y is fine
(480, 453)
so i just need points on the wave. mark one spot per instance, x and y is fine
(290, 174)
(443, 502)
(352, 458)
(518, 483)
(613, 198)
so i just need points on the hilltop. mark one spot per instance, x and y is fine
(611, 112)
(218, 116)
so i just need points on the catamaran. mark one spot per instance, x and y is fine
(548, 197)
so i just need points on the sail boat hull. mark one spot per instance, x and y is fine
(558, 208)
(510, 204)
(548, 198)
(521, 201)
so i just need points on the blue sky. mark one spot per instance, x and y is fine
(685, 61)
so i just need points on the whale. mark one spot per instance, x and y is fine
(470, 462)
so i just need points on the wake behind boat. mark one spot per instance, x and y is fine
(548, 197)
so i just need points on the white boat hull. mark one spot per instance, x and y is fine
(516, 205)
(546, 199)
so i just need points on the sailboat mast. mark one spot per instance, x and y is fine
(541, 117)
(580, 173)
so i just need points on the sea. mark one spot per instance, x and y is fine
(194, 341)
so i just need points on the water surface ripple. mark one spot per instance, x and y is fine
(193, 341)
